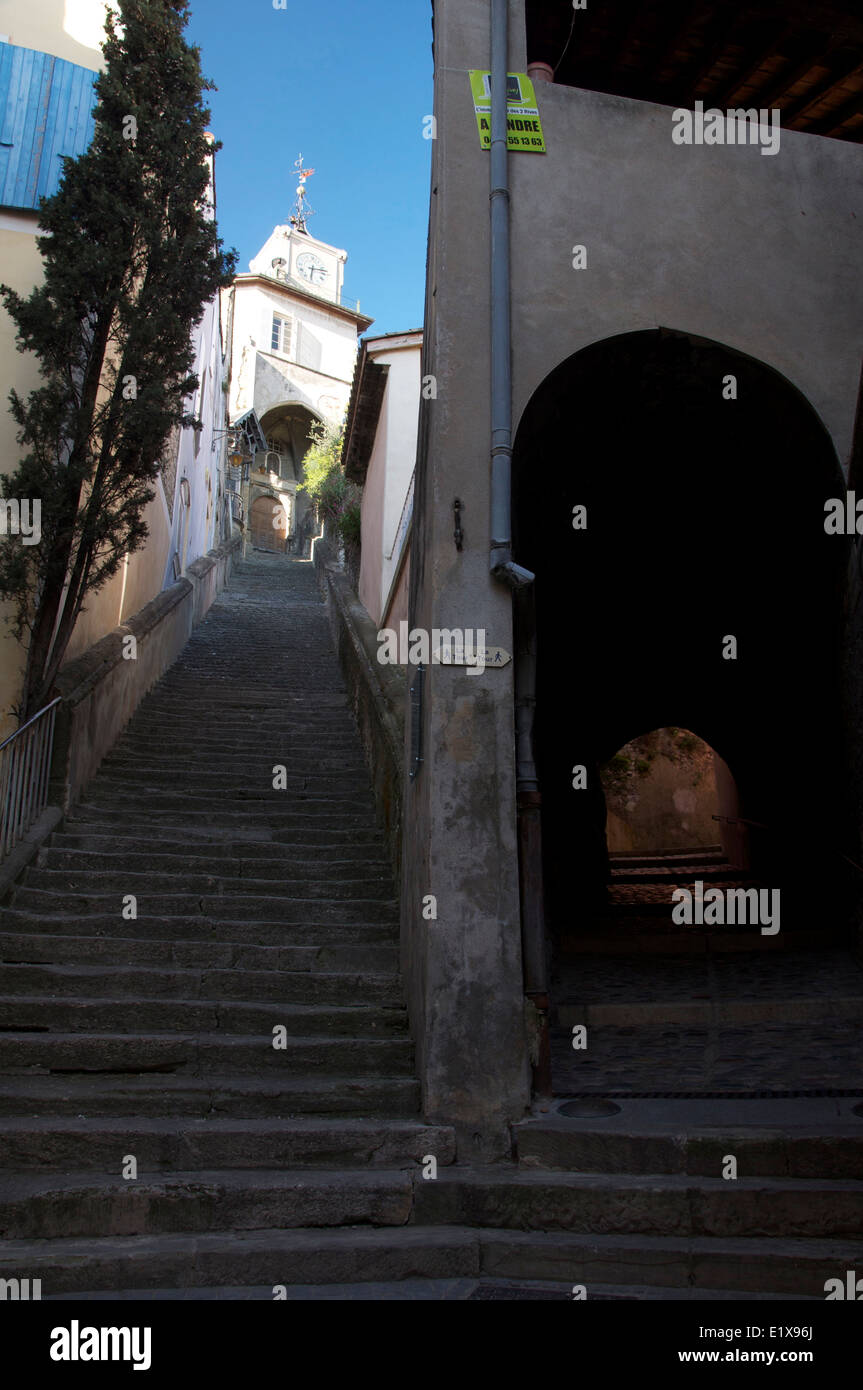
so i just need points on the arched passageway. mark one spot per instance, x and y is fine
(701, 592)
(287, 428)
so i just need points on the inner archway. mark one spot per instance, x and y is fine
(661, 795)
(669, 495)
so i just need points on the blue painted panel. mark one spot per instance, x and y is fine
(46, 111)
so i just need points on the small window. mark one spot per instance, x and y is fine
(281, 338)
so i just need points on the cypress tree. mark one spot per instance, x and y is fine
(131, 258)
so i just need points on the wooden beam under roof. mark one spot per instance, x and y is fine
(844, 68)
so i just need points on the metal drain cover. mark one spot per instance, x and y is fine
(588, 1109)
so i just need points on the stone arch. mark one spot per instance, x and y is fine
(705, 520)
(289, 422)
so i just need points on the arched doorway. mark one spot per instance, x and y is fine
(287, 428)
(268, 523)
(697, 590)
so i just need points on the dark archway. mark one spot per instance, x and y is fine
(705, 521)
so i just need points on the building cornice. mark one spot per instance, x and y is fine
(293, 291)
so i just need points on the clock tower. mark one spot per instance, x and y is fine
(292, 337)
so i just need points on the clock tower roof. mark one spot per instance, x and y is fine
(285, 241)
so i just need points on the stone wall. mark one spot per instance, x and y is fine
(376, 693)
(660, 794)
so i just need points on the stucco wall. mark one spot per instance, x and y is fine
(372, 508)
(282, 378)
(758, 252)
(463, 970)
(390, 468)
(69, 29)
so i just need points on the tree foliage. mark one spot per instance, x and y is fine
(336, 498)
(131, 258)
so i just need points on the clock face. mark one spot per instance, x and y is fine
(311, 268)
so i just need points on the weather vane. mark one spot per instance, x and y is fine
(301, 211)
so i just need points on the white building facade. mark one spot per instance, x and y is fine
(292, 340)
(380, 455)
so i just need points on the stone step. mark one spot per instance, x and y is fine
(706, 854)
(612, 1203)
(280, 819)
(93, 1205)
(682, 873)
(261, 801)
(201, 1054)
(208, 741)
(271, 1258)
(175, 1145)
(747, 1265)
(366, 1255)
(336, 847)
(229, 783)
(249, 929)
(362, 885)
(296, 755)
(212, 986)
(197, 955)
(221, 908)
(481, 1290)
(207, 1096)
(663, 939)
(613, 1146)
(78, 1015)
(167, 719)
(705, 1013)
(277, 863)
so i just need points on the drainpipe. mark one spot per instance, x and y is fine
(501, 562)
(504, 568)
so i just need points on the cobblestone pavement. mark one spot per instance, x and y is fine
(821, 1053)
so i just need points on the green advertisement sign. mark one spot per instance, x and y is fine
(524, 128)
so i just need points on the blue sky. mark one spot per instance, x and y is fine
(347, 84)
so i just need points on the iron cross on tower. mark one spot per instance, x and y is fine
(301, 212)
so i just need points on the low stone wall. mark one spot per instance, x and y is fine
(376, 693)
(101, 689)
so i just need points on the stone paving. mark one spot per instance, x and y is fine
(812, 1054)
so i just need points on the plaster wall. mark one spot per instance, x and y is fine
(390, 470)
(68, 29)
(263, 379)
(462, 970)
(372, 522)
(758, 252)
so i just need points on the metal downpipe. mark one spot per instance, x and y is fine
(500, 561)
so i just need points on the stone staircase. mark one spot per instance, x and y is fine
(637, 914)
(150, 1036)
(145, 1028)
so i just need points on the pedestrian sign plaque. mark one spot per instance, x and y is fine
(524, 127)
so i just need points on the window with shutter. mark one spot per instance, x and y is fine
(281, 334)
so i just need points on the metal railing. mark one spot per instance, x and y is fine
(25, 765)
